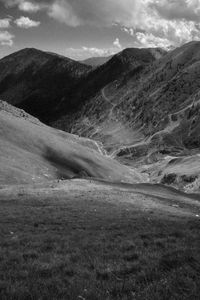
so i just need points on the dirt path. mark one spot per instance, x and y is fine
(105, 97)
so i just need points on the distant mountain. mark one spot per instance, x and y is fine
(96, 61)
(38, 81)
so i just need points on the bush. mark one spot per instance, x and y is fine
(169, 178)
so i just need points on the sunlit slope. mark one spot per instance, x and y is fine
(33, 152)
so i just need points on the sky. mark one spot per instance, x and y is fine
(80, 29)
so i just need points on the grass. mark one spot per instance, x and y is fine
(74, 249)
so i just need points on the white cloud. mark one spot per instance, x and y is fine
(130, 31)
(25, 22)
(155, 30)
(29, 6)
(6, 38)
(25, 5)
(117, 44)
(150, 22)
(87, 52)
(5, 23)
(149, 40)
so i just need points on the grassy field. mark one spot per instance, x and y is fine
(91, 245)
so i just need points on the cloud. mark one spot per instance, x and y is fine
(25, 5)
(63, 12)
(130, 31)
(29, 7)
(156, 27)
(5, 23)
(117, 44)
(94, 12)
(172, 10)
(6, 38)
(25, 22)
(148, 22)
(149, 40)
(87, 52)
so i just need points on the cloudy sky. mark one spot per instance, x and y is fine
(83, 28)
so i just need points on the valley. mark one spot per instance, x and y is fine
(100, 175)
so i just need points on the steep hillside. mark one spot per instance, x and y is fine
(49, 86)
(119, 66)
(104, 89)
(151, 100)
(38, 81)
(33, 152)
(149, 113)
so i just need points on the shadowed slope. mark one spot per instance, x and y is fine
(38, 81)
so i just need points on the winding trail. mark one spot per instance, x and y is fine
(108, 101)
(105, 97)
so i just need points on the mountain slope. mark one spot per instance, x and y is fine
(152, 100)
(129, 60)
(33, 152)
(38, 81)
(96, 61)
(149, 114)
(48, 86)
(102, 90)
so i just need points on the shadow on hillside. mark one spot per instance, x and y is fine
(66, 166)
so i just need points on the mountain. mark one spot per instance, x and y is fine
(151, 100)
(143, 105)
(149, 115)
(31, 152)
(38, 81)
(48, 85)
(102, 89)
(129, 60)
(96, 61)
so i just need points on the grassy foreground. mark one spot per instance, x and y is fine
(90, 248)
